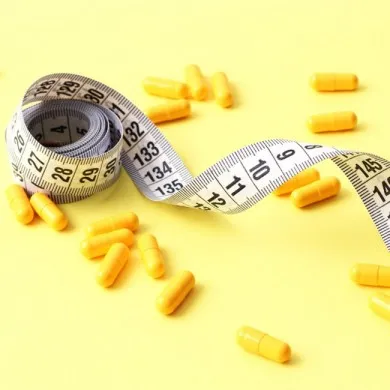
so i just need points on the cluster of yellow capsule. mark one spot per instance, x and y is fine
(374, 275)
(308, 187)
(195, 87)
(23, 208)
(112, 237)
(334, 121)
(109, 237)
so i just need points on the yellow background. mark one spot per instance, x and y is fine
(274, 267)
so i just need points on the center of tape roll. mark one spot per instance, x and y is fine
(73, 128)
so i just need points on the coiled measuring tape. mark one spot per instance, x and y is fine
(70, 136)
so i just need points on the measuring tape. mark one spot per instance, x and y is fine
(70, 136)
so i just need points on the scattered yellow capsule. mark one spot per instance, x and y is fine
(151, 256)
(316, 191)
(165, 88)
(303, 178)
(330, 82)
(99, 245)
(196, 82)
(371, 275)
(48, 211)
(259, 343)
(19, 204)
(169, 111)
(380, 305)
(126, 220)
(221, 89)
(175, 292)
(333, 121)
(112, 264)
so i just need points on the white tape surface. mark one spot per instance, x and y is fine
(72, 142)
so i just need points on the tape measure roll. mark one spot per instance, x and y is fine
(73, 141)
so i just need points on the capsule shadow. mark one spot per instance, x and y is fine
(167, 265)
(295, 360)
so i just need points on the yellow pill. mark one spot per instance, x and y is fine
(126, 220)
(259, 343)
(152, 257)
(316, 191)
(221, 90)
(371, 275)
(327, 82)
(112, 264)
(99, 245)
(169, 111)
(306, 177)
(175, 292)
(19, 204)
(380, 305)
(196, 82)
(165, 88)
(48, 211)
(334, 121)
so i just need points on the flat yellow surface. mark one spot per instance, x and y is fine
(274, 267)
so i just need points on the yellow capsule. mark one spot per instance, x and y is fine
(19, 204)
(333, 121)
(99, 245)
(112, 264)
(48, 211)
(303, 178)
(329, 82)
(151, 256)
(221, 89)
(169, 111)
(165, 88)
(175, 292)
(196, 82)
(380, 305)
(316, 191)
(259, 343)
(126, 220)
(371, 275)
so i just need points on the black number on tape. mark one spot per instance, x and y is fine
(202, 207)
(44, 87)
(158, 173)
(170, 188)
(285, 154)
(236, 181)
(385, 189)
(63, 174)
(134, 132)
(68, 88)
(312, 147)
(110, 167)
(260, 170)
(147, 153)
(19, 141)
(81, 131)
(89, 175)
(114, 108)
(35, 162)
(368, 165)
(58, 129)
(16, 172)
(216, 200)
(94, 95)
